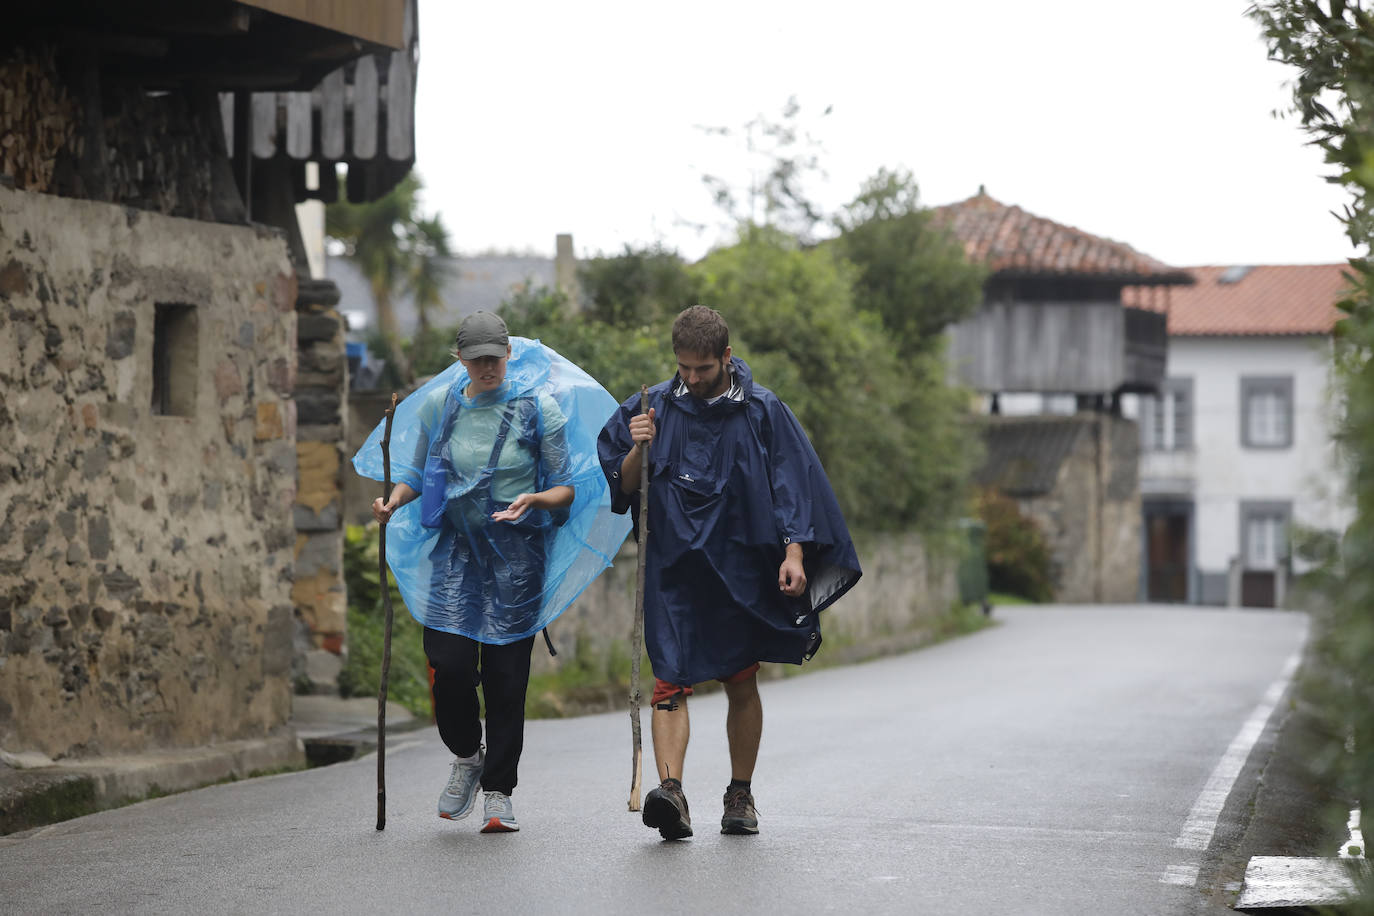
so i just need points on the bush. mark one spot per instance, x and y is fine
(1018, 556)
(408, 680)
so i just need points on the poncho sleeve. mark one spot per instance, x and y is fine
(805, 509)
(410, 447)
(553, 445)
(612, 445)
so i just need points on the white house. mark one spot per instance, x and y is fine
(1238, 446)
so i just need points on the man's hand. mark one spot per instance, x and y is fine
(791, 574)
(642, 427)
(642, 430)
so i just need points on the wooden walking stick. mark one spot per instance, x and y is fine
(386, 607)
(637, 633)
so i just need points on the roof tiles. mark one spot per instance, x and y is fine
(1265, 300)
(1009, 240)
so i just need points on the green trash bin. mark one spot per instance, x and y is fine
(973, 565)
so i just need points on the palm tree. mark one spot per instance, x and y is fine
(397, 250)
(430, 266)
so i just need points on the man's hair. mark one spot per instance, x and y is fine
(700, 329)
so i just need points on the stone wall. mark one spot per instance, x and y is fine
(147, 475)
(321, 388)
(1092, 517)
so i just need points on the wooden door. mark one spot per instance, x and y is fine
(1167, 551)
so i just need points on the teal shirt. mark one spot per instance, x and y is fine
(474, 436)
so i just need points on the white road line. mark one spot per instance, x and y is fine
(1202, 820)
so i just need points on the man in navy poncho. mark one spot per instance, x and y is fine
(747, 546)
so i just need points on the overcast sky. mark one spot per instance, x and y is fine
(1149, 123)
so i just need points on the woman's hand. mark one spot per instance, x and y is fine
(552, 498)
(400, 495)
(518, 507)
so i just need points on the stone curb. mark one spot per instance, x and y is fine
(31, 798)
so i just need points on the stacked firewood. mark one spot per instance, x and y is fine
(38, 119)
(159, 153)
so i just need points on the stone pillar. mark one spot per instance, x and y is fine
(321, 390)
(565, 272)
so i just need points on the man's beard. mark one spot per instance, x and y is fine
(717, 385)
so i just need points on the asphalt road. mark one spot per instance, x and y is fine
(1067, 761)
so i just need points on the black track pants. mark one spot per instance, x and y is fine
(460, 664)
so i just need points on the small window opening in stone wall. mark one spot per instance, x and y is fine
(175, 360)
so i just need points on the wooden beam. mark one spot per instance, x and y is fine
(264, 124)
(299, 125)
(116, 43)
(365, 108)
(332, 115)
(378, 21)
(243, 149)
(400, 108)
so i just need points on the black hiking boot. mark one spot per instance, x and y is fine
(666, 809)
(740, 817)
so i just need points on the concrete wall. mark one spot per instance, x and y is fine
(145, 559)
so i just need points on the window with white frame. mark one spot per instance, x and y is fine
(1266, 412)
(1166, 421)
(1264, 534)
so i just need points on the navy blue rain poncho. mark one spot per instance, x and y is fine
(459, 571)
(731, 483)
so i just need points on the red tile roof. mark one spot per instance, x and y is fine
(1008, 240)
(1269, 299)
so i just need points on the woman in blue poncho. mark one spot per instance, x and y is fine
(499, 518)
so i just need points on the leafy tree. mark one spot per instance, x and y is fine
(889, 430)
(620, 358)
(911, 273)
(637, 287)
(1332, 47)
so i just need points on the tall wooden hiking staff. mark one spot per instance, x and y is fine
(386, 606)
(637, 634)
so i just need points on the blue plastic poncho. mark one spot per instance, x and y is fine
(459, 571)
(731, 484)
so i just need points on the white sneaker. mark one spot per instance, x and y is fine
(500, 814)
(456, 800)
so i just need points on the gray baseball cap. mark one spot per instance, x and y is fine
(482, 334)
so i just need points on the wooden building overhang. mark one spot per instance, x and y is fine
(361, 114)
(328, 81)
(221, 44)
(1052, 319)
